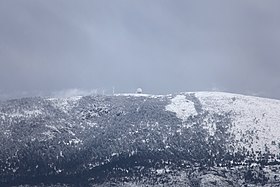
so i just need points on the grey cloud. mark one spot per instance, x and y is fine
(163, 46)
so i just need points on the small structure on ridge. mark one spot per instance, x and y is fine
(139, 90)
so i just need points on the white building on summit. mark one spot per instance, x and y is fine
(139, 90)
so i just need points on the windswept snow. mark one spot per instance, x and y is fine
(256, 121)
(183, 107)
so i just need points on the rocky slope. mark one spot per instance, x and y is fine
(187, 139)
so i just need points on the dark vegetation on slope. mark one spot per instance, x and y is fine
(115, 139)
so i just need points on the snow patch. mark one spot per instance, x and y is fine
(183, 107)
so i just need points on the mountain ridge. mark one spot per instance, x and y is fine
(189, 138)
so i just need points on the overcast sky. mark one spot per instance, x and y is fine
(163, 46)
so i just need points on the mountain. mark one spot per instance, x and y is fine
(187, 139)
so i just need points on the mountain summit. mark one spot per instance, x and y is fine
(186, 139)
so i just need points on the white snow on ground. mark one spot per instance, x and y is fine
(133, 94)
(183, 107)
(48, 135)
(15, 115)
(258, 119)
(139, 95)
(24, 113)
(33, 112)
(74, 141)
(65, 104)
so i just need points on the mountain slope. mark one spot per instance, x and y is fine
(195, 139)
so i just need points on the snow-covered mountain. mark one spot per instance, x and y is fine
(186, 139)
